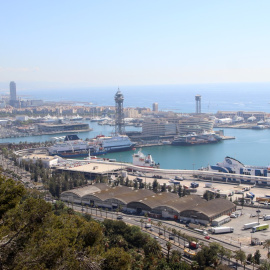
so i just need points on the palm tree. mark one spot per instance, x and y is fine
(195, 265)
(169, 246)
(164, 228)
(91, 205)
(146, 216)
(178, 233)
(266, 244)
(159, 224)
(141, 220)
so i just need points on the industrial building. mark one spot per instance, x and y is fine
(160, 205)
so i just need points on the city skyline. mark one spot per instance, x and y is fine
(144, 43)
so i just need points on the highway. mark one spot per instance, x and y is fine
(177, 244)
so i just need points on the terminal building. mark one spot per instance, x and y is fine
(159, 205)
(43, 127)
(172, 126)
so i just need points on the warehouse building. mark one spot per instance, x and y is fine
(163, 205)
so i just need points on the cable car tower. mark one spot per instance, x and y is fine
(119, 113)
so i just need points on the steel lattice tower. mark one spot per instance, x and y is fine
(119, 113)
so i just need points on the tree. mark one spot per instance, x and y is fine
(155, 185)
(169, 246)
(159, 224)
(117, 258)
(266, 244)
(207, 255)
(142, 221)
(180, 191)
(257, 256)
(164, 229)
(163, 188)
(11, 193)
(152, 248)
(265, 265)
(240, 256)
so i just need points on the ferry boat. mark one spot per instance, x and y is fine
(194, 139)
(72, 145)
(115, 143)
(139, 159)
(232, 165)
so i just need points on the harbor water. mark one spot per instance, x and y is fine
(249, 147)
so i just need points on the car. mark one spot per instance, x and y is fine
(160, 233)
(156, 237)
(207, 237)
(171, 237)
(119, 217)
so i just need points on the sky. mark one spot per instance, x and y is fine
(115, 42)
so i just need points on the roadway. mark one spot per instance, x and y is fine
(177, 244)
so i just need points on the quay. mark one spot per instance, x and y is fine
(105, 167)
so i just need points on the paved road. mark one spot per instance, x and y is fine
(154, 232)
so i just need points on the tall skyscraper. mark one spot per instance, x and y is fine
(119, 113)
(198, 104)
(12, 89)
(155, 107)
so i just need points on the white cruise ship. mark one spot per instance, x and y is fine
(116, 143)
(71, 143)
(233, 166)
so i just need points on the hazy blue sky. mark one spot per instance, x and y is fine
(97, 43)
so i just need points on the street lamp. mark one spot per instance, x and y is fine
(193, 164)
(258, 213)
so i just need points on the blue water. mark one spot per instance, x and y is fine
(250, 146)
(179, 98)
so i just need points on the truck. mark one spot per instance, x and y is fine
(147, 225)
(250, 225)
(260, 228)
(266, 217)
(216, 230)
(193, 245)
(262, 199)
(250, 195)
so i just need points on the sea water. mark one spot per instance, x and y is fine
(250, 146)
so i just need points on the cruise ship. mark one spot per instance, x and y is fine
(115, 143)
(232, 165)
(71, 146)
(194, 138)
